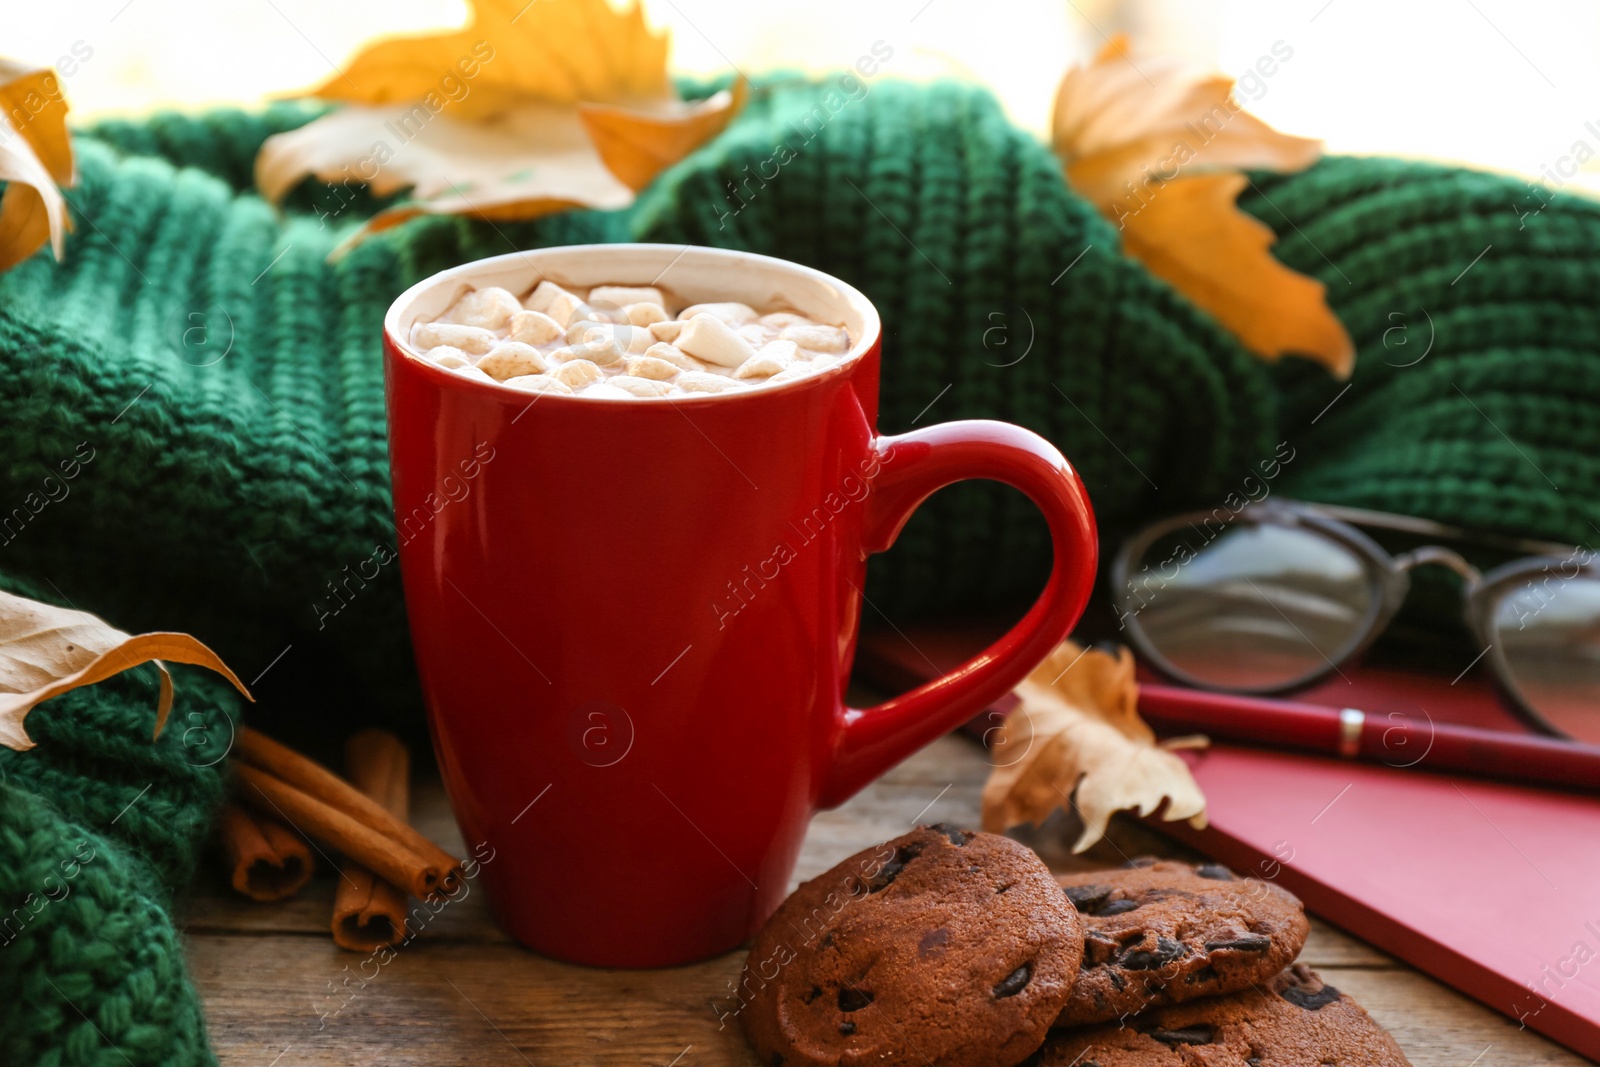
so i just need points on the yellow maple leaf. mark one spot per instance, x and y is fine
(558, 51)
(533, 107)
(35, 161)
(1081, 739)
(1157, 150)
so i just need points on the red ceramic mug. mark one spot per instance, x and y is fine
(634, 620)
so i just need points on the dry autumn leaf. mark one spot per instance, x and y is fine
(531, 109)
(558, 51)
(35, 161)
(1157, 150)
(1082, 741)
(46, 651)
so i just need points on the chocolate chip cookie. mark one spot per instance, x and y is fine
(1293, 1018)
(942, 946)
(1160, 932)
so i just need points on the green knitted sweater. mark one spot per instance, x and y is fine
(215, 385)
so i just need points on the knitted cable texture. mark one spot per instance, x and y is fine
(214, 385)
(1477, 383)
(99, 827)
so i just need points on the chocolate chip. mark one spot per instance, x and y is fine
(891, 870)
(1086, 898)
(847, 1028)
(1015, 982)
(827, 940)
(1302, 998)
(775, 1060)
(1149, 959)
(1140, 861)
(811, 995)
(933, 942)
(853, 999)
(1215, 871)
(955, 834)
(1117, 907)
(1243, 943)
(1189, 1035)
(1205, 974)
(1098, 949)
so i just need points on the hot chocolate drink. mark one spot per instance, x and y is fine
(622, 342)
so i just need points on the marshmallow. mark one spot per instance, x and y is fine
(666, 331)
(730, 312)
(580, 331)
(578, 373)
(472, 372)
(637, 339)
(449, 358)
(645, 314)
(768, 361)
(632, 339)
(474, 340)
(567, 308)
(602, 352)
(510, 359)
(534, 328)
(693, 381)
(640, 386)
(675, 356)
(485, 308)
(620, 296)
(648, 366)
(709, 338)
(619, 342)
(544, 294)
(817, 338)
(536, 383)
(756, 334)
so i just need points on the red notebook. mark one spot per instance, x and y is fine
(1493, 889)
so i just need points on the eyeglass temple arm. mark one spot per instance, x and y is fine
(1383, 520)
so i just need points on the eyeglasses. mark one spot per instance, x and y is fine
(1278, 595)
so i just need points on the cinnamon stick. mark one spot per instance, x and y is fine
(268, 862)
(368, 912)
(315, 780)
(317, 819)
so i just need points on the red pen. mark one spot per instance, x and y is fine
(1397, 739)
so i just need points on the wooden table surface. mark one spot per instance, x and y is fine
(279, 994)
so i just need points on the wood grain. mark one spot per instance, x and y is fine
(279, 994)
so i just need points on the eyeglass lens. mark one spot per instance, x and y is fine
(1250, 606)
(1548, 631)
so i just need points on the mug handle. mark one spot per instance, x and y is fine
(912, 466)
